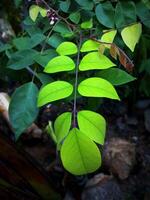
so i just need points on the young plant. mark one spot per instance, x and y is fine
(77, 133)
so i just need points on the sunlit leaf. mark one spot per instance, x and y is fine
(89, 45)
(131, 35)
(33, 12)
(67, 48)
(87, 24)
(97, 87)
(108, 37)
(79, 154)
(95, 60)
(59, 64)
(43, 12)
(92, 125)
(62, 126)
(54, 91)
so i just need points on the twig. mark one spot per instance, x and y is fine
(76, 82)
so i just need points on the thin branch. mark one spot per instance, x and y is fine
(76, 83)
(111, 44)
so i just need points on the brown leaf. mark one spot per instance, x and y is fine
(114, 52)
(101, 48)
(125, 61)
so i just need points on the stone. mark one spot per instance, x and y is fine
(102, 187)
(119, 157)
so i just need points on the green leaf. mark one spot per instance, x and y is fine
(43, 12)
(33, 12)
(50, 131)
(116, 76)
(23, 110)
(87, 24)
(59, 64)
(63, 29)
(54, 91)
(55, 40)
(93, 125)
(75, 17)
(131, 35)
(23, 43)
(95, 60)
(4, 47)
(64, 5)
(108, 37)
(67, 48)
(105, 14)
(79, 154)
(97, 87)
(125, 14)
(22, 59)
(85, 4)
(44, 78)
(45, 57)
(62, 126)
(90, 45)
(143, 13)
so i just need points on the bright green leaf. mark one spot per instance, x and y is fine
(62, 126)
(54, 91)
(87, 24)
(33, 12)
(23, 110)
(116, 76)
(95, 60)
(89, 45)
(108, 37)
(59, 64)
(131, 35)
(97, 87)
(50, 131)
(92, 125)
(43, 12)
(67, 48)
(79, 154)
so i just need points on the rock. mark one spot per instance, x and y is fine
(6, 31)
(102, 187)
(147, 119)
(119, 157)
(132, 121)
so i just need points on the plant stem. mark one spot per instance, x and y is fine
(76, 83)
